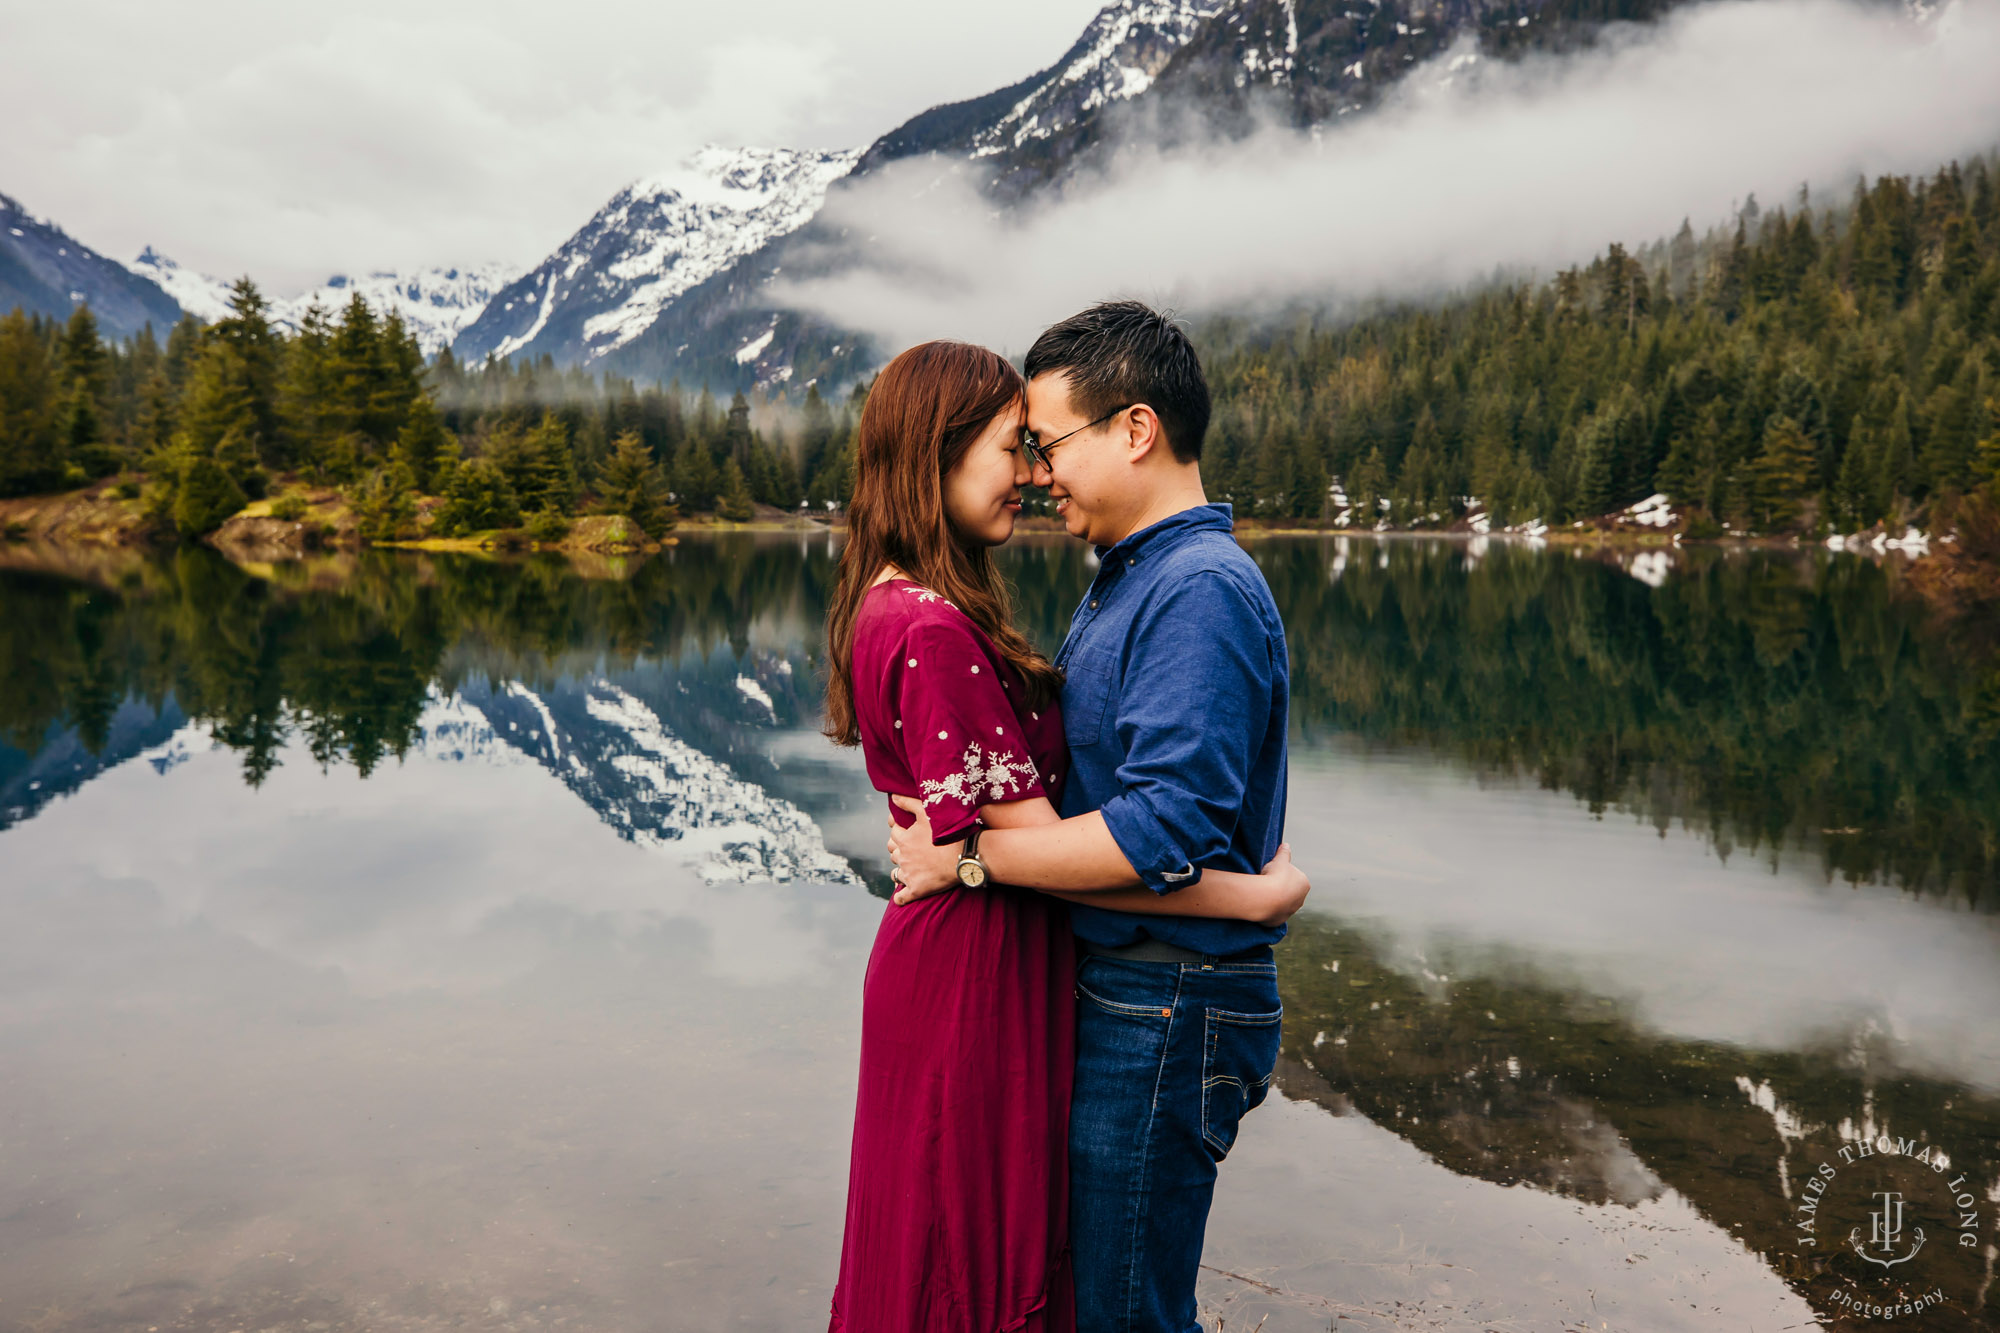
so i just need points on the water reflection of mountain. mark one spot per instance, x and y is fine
(1514, 1079)
(65, 760)
(1766, 700)
(615, 753)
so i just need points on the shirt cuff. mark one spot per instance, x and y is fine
(1158, 859)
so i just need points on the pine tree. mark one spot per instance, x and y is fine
(1367, 488)
(1781, 477)
(83, 376)
(422, 446)
(554, 483)
(1854, 503)
(385, 503)
(305, 393)
(205, 494)
(695, 477)
(629, 484)
(477, 497)
(734, 502)
(242, 354)
(816, 436)
(736, 435)
(31, 447)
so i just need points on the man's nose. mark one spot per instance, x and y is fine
(1042, 475)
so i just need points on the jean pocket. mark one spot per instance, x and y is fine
(1153, 1012)
(1238, 1053)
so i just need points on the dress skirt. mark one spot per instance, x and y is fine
(958, 1192)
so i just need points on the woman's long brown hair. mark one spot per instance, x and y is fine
(923, 412)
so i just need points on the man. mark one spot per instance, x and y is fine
(1174, 703)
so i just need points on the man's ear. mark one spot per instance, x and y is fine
(1144, 435)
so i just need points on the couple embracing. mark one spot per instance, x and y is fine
(1072, 998)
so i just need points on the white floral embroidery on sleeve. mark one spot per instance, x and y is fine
(997, 771)
(925, 596)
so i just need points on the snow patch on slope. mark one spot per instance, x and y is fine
(434, 303)
(1119, 55)
(654, 240)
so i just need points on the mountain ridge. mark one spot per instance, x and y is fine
(46, 271)
(435, 303)
(654, 240)
(1186, 68)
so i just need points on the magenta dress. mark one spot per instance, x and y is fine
(958, 1191)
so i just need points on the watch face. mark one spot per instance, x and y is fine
(971, 874)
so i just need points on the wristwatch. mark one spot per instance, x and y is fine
(971, 870)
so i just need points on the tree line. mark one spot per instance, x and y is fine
(1811, 369)
(237, 410)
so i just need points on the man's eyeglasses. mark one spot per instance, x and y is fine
(1038, 453)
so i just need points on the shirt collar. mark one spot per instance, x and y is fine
(1202, 518)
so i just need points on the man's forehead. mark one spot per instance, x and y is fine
(1048, 393)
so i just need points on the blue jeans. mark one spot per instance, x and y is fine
(1169, 1056)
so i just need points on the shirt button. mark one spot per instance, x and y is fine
(1093, 605)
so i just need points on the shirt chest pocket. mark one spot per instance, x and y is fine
(1088, 684)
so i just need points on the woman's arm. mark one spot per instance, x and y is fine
(1269, 898)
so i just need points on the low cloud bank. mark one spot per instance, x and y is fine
(1471, 167)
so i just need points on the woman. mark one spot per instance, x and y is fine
(957, 1206)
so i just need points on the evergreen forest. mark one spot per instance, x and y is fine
(226, 413)
(1808, 369)
(1812, 369)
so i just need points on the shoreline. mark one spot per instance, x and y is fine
(96, 518)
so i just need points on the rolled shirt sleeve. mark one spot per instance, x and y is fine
(1190, 717)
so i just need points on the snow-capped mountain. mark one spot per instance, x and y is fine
(45, 270)
(653, 788)
(435, 303)
(1161, 69)
(206, 298)
(656, 239)
(718, 331)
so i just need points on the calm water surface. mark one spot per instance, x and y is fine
(404, 942)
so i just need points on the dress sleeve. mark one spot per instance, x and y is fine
(960, 737)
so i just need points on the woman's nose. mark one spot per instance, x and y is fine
(1024, 471)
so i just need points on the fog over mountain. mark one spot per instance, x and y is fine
(1469, 167)
(1209, 154)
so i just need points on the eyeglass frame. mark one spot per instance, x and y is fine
(1038, 453)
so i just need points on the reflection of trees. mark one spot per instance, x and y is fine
(1517, 1081)
(1761, 699)
(345, 656)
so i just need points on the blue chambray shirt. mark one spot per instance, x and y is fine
(1174, 704)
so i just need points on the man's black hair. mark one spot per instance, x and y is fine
(1126, 352)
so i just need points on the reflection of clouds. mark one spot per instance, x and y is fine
(1337, 1204)
(1505, 876)
(440, 871)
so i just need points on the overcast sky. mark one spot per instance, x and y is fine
(291, 141)
(1470, 167)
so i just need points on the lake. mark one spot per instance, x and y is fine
(401, 941)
